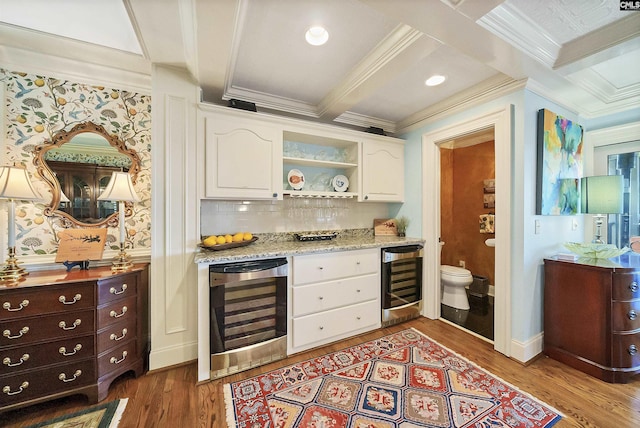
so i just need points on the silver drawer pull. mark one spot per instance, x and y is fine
(63, 325)
(64, 352)
(116, 337)
(114, 360)
(113, 290)
(114, 314)
(632, 350)
(358, 318)
(63, 377)
(7, 389)
(320, 297)
(321, 328)
(632, 315)
(7, 361)
(23, 331)
(23, 304)
(633, 286)
(358, 290)
(63, 299)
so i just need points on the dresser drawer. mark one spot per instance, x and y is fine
(46, 300)
(329, 266)
(119, 310)
(626, 286)
(626, 350)
(48, 381)
(308, 299)
(325, 325)
(116, 288)
(49, 327)
(116, 334)
(626, 316)
(117, 358)
(15, 360)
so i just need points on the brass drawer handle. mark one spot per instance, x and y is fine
(7, 389)
(632, 315)
(63, 299)
(64, 352)
(633, 286)
(23, 304)
(113, 290)
(63, 325)
(23, 331)
(114, 314)
(116, 337)
(7, 361)
(63, 377)
(114, 360)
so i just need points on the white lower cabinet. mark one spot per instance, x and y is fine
(333, 296)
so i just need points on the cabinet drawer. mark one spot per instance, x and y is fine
(313, 298)
(46, 300)
(324, 325)
(49, 327)
(116, 334)
(626, 286)
(329, 266)
(116, 288)
(117, 358)
(626, 316)
(15, 360)
(119, 310)
(626, 350)
(49, 381)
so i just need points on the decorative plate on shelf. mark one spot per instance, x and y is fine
(340, 183)
(218, 247)
(296, 179)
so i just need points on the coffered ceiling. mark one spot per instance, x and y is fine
(582, 54)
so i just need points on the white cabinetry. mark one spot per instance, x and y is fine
(333, 296)
(382, 171)
(243, 158)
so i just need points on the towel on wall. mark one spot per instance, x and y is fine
(487, 223)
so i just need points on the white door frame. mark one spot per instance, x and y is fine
(500, 121)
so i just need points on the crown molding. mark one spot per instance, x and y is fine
(600, 87)
(355, 119)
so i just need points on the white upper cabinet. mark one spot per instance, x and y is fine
(243, 158)
(382, 171)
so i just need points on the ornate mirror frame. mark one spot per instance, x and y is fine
(43, 170)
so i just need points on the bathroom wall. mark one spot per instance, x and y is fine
(461, 203)
(288, 215)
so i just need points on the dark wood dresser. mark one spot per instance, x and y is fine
(592, 315)
(65, 333)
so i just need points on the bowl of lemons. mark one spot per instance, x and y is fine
(223, 242)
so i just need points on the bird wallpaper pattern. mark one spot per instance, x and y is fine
(560, 164)
(36, 107)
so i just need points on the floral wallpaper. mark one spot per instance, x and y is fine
(35, 108)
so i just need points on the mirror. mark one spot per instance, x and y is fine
(77, 165)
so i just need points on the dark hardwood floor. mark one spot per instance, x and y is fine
(171, 398)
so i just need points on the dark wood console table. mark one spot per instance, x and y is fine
(592, 315)
(65, 333)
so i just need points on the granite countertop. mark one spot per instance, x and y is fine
(285, 244)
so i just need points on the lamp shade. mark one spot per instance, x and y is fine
(15, 184)
(119, 188)
(63, 197)
(602, 194)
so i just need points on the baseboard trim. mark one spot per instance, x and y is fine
(172, 355)
(526, 351)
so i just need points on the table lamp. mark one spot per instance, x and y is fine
(14, 185)
(120, 189)
(601, 195)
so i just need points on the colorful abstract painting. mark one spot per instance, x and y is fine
(560, 164)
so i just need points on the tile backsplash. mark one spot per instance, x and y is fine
(289, 215)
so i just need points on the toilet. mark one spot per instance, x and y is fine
(454, 280)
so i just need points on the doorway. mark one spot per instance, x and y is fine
(500, 122)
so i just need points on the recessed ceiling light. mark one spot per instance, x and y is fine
(435, 80)
(317, 36)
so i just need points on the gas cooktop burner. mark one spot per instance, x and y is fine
(315, 236)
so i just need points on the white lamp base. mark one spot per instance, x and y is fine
(11, 271)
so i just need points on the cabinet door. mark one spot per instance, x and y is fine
(382, 171)
(243, 159)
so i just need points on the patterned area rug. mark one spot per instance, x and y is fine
(106, 415)
(403, 380)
